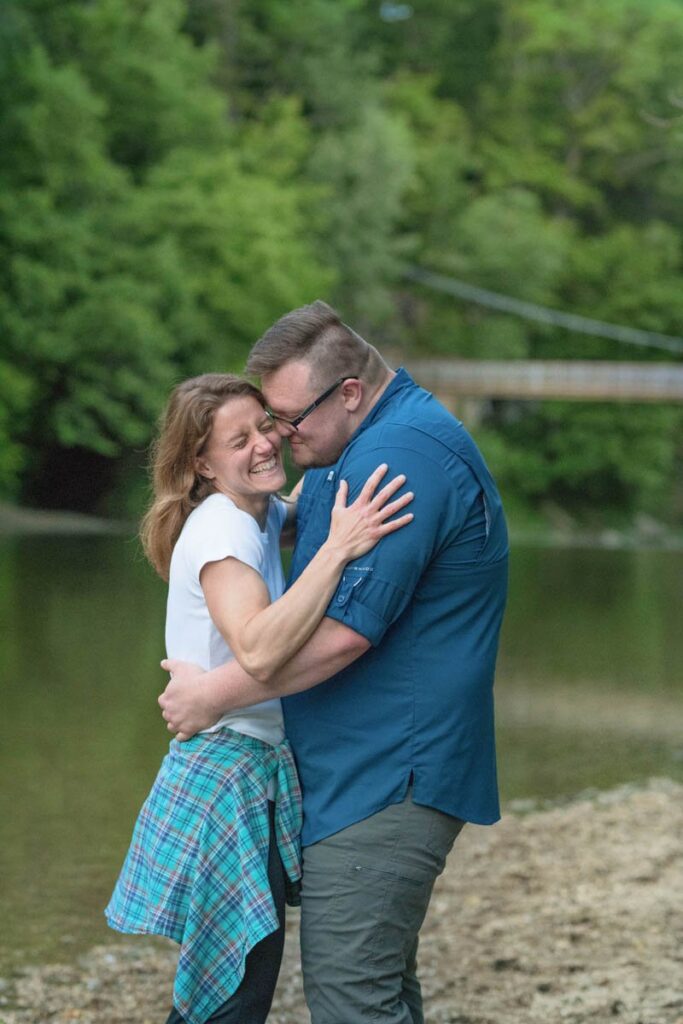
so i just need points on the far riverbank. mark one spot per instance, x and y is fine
(17, 520)
(552, 530)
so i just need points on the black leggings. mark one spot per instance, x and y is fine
(251, 1001)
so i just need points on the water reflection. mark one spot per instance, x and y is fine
(590, 667)
(595, 618)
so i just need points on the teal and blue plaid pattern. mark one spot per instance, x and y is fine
(197, 867)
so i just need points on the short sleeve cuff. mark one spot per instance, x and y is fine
(223, 531)
(365, 603)
(280, 511)
(360, 619)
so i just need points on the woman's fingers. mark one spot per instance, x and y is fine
(367, 494)
(341, 495)
(388, 491)
(395, 524)
(386, 511)
(372, 510)
(372, 482)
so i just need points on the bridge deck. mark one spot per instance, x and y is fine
(587, 381)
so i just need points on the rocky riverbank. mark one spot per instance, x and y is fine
(572, 914)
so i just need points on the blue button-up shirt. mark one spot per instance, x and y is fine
(430, 598)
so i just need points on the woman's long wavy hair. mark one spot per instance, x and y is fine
(177, 486)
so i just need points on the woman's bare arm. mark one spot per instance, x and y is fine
(194, 700)
(264, 636)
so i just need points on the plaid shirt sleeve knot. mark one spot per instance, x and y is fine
(197, 867)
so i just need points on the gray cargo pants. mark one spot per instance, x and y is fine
(365, 894)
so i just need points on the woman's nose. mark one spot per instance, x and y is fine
(268, 443)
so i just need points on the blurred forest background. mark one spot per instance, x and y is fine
(176, 174)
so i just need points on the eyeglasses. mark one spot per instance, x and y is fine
(298, 420)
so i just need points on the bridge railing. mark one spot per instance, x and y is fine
(577, 380)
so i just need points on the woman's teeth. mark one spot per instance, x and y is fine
(265, 467)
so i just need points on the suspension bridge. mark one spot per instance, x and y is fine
(527, 379)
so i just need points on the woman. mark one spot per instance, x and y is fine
(217, 838)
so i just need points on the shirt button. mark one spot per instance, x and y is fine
(341, 599)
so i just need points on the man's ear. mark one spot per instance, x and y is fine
(203, 468)
(352, 393)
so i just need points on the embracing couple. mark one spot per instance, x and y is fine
(383, 648)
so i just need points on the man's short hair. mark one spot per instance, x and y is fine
(314, 334)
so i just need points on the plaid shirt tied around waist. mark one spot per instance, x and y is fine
(197, 867)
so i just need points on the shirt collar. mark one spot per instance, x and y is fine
(399, 382)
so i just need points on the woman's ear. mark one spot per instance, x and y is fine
(202, 468)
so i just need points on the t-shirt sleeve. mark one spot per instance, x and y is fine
(224, 531)
(279, 512)
(375, 589)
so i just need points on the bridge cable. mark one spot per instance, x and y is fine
(542, 314)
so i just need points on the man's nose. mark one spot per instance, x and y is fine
(284, 429)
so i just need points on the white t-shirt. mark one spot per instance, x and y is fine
(214, 530)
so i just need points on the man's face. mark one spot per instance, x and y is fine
(320, 439)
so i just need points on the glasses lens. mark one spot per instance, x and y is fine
(294, 423)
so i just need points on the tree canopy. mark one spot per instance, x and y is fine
(175, 175)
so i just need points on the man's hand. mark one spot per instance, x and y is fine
(187, 704)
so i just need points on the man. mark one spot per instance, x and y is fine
(395, 749)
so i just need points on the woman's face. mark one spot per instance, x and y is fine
(242, 455)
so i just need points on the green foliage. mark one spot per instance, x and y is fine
(365, 170)
(595, 455)
(451, 40)
(175, 175)
(239, 239)
(157, 85)
(579, 103)
(563, 173)
(138, 245)
(359, 155)
(438, 191)
(16, 396)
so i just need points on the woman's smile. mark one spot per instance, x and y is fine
(266, 466)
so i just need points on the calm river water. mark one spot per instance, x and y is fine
(588, 696)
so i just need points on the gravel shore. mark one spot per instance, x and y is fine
(572, 914)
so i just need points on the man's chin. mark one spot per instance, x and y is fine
(307, 462)
(308, 459)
